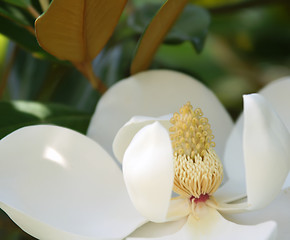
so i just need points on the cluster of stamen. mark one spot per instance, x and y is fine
(191, 133)
(198, 170)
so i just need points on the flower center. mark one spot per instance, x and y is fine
(198, 170)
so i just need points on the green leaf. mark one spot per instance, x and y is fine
(19, 3)
(19, 34)
(142, 16)
(24, 37)
(191, 26)
(155, 34)
(17, 114)
(16, 14)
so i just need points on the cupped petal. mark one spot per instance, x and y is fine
(127, 132)
(266, 151)
(148, 171)
(278, 211)
(58, 184)
(155, 93)
(277, 94)
(211, 225)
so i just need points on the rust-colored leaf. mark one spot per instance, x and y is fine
(155, 33)
(77, 30)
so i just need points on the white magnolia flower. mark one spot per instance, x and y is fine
(58, 184)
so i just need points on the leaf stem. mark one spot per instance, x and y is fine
(244, 5)
(87, 70)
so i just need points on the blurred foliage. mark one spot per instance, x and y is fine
(234, 47)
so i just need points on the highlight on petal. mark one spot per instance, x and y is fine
(266, 151)
(148, 171)
(58, 184)
(156, 93)
(128, 131)
(210, 225)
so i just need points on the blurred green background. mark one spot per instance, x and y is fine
(240, 47)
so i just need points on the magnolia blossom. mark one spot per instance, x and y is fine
(58, 184)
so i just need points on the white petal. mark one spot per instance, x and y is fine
(235, 185)
(211, 225)
(155, 93)
(278, 211)
(277, 94)
(178, 208)
(155, 230)
(58, 184)
(231, 191)
(128, 131)
(266, 151)
(148, 171)
(287, 182)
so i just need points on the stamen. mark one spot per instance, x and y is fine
(198, 170)
(191, 132)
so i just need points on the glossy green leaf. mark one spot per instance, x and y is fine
(19, 34)
(17, 15)
(155, 33)
(142, 16)
(19, 3)
(192, 25)
(17, 114)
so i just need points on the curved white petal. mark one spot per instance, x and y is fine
(266, 151)
(148, 171)
(155, 230)
(234, 164)
(211, 225)
(155, 93)
(58, 184)
(128, 131)
(277, 94)
(278, 211)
